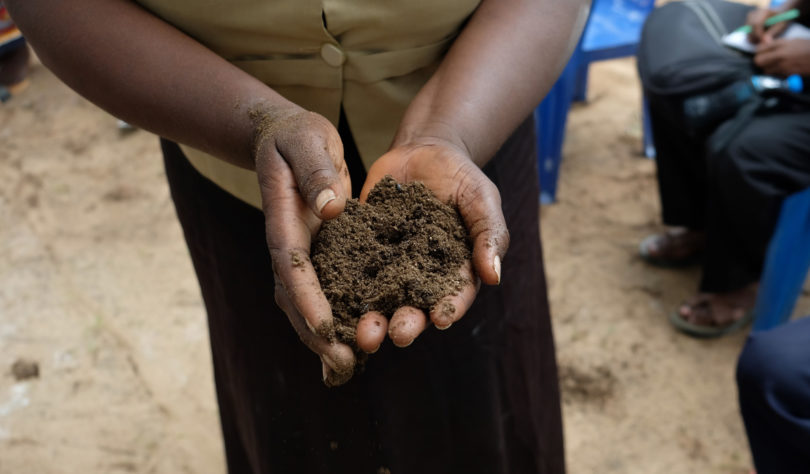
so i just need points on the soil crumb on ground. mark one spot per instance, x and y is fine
(403, 247)
(23, 369)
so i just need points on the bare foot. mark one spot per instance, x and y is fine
(675, 246)
(719, 309)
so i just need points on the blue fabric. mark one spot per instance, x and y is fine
(786, 265)
(773, 378)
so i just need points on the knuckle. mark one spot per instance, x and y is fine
(496, 237)
(275, 256)
(286, 259)
(304, 127)
(478, 188)
(269, 181)
(315, 180)
(485, 193)
(318, 120)
(506, 239)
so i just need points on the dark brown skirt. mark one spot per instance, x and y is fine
(481, 397)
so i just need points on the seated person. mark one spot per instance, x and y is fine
(773, 378)
(723, 207)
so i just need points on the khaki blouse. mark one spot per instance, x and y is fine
(369, 56)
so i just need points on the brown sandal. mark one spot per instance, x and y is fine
(708, 326)
(673, 248)
(700, 330)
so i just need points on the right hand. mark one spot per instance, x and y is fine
(303, 180)
(783, 57)
(446, 168)
(756, 19)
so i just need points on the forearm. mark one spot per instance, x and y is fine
(145, 71)
(497, 71)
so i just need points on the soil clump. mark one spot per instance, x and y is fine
(403, 247)
(24, 369)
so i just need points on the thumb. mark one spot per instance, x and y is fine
(312, 148)
(480, 207)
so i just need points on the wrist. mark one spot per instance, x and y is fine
(265, 120)
(434, 133)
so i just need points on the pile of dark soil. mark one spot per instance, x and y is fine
(403, 247)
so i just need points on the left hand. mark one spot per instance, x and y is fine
(447, 170)
(784, 57)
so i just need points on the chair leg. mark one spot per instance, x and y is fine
(786, 265)
(550, 119)
(550, 135)
(646, 123)
(581, 84)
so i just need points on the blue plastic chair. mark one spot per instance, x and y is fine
(549, 120)
(786, 265)
(613, 31)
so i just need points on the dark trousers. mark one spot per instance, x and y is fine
(734, 195)
(481, 397)
(773, 377)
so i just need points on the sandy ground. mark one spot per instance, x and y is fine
(97, 288)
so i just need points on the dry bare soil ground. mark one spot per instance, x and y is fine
(97, 288)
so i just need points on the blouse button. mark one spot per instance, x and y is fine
(332, 55)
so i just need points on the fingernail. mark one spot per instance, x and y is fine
(397, 343)
(325, 370)
(496, 265)
(375, 349)
(329, 361)
(442, 328)
(326, 196)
